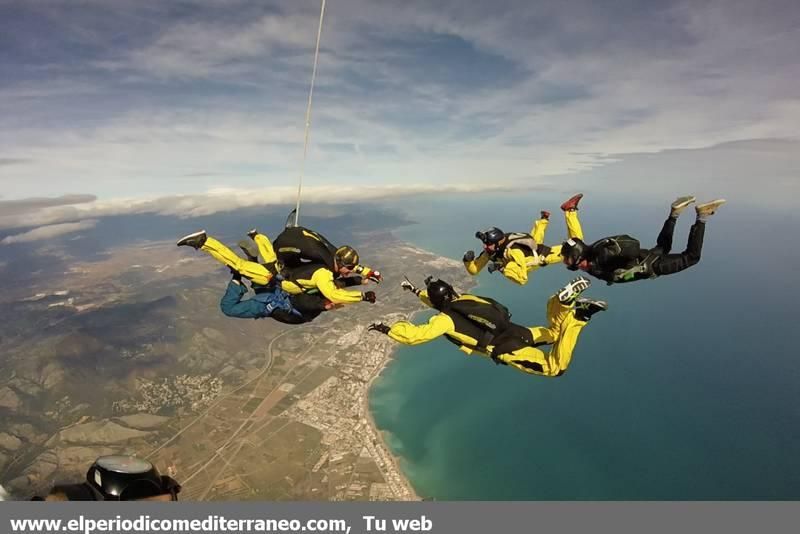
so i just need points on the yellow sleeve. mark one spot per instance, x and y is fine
(516, 267)
(411, 334)
(475, 266)
(323, 280)
(423, 296)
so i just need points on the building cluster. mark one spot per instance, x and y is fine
(181, 391)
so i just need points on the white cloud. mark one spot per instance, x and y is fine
(58, 218)
(48, 232)
(202, 101)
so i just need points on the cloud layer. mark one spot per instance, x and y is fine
(50, 217)
(48, 232)
(132, 99)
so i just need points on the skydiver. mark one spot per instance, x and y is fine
(481, 325)
(517, 254)
(619, 259)
(311, 265)
(325, 280)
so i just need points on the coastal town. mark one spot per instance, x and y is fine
(249, 410)
(302, 429)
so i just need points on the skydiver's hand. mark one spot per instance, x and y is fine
(468, 256)
(408, 286)
(375, 276)
(379, 327)
(494, 266)
(369, 296)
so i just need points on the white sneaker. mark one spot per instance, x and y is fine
(571, 291)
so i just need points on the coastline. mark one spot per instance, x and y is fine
(388, 357)
(394, 460)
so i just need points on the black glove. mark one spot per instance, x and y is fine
(369, 296)
(236, 276)
(493, 266)
(379, 327)
(468, 256)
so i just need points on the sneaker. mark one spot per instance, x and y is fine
(709, 208)
(572, 203)
(570, 292)
(585, 308)
(252, 233)
(545, 214)
(680, 204)
(249, 249)
(195, 240)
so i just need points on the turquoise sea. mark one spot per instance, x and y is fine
(687, 388)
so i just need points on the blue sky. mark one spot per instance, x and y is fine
(135, 101)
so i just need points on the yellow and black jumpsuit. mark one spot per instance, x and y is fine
(517, 261)
(305, 279)
(561, 334)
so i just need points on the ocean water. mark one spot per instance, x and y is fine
(687, 388)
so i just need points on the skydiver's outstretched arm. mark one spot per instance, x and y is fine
(323, 280)
(349, 281)
(473, 264)
(410, 334)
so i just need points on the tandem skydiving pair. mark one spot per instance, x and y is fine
(299, 276)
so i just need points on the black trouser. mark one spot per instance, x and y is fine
(667, 263)
(514, 338)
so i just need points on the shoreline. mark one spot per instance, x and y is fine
(394, 459)
(389, 356)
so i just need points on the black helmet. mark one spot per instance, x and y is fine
(491, 236)
(346, 256)
(440, 293)
(574, 250)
